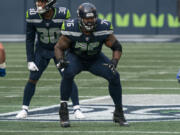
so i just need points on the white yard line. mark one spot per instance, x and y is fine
(124, 72)
(91, 132)
(84, 87)
(98, 79)
(122, 66)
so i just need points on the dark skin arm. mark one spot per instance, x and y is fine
(109, 42)
(62, 44)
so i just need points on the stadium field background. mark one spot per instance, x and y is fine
(145, 68)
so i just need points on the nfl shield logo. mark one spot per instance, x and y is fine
(47, 24)
(87, 38)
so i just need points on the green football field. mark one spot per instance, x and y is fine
(145, 68)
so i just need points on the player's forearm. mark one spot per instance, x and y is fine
(61, 46)
(116, 55)
(58, 52)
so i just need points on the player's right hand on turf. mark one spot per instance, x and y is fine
(32, 66)
(178, 76)
(62, 63)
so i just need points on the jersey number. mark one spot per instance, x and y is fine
(91, 48)
(49, 35)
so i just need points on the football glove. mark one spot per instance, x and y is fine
(178, 76)
(32, 66)
(112, 65)
(62, 63)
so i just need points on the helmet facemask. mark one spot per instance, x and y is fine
(49, 4)
(88, 25)
(87, 16)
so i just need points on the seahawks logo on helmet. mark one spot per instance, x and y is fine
(48, 6)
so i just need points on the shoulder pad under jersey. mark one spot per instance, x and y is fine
(71, 28)
(32, 16)
(63, 12)
(103, 27)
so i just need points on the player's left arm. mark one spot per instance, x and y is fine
(116, 47)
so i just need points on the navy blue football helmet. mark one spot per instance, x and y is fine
(86, 11)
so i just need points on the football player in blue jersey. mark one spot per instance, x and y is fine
(43, 22)
(2, 61)
(84, 38)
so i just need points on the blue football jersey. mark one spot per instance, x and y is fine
(86, 46)
(46, 31)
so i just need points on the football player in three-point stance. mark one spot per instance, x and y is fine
(84, 37)
(45, 22)
(2, 61)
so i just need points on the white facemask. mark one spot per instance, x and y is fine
(40, 10)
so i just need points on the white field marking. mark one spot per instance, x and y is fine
(122, 66)
(91, 132)
(98, 79)
(22, 51)
(87, 87)
(136, 52)
(145, 72)
(107, 52)
(12, 96)
(138, 100)
(129, 61)
(52, 106)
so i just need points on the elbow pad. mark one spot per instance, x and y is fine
(116, 46)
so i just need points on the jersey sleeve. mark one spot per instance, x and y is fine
(68, 29)
(64, 30)
(68, 14)
(106, 25)
(30, 36)
(104, 29)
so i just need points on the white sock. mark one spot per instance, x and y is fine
(63, 101)
(3, 65)
(76, 107)
(25, 107)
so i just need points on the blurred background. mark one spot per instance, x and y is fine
(129, 17)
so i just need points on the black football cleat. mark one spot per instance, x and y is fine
(118, 117)
(64, 115)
